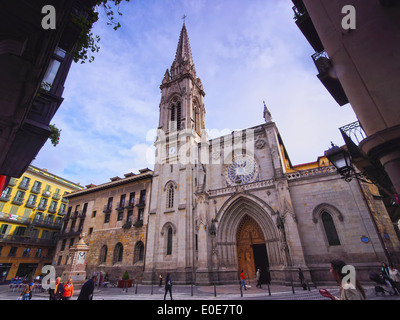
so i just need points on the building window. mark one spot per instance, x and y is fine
(103, 254)
(94, 214)
(120, 215)
(330, 230)
(13, 252)
(170, 196)
(59, 260)
(131, 199)
(142, 198)
(169, 241)
(129, 216)
(38, 253)
(118, 253)
(107, 218)
(52, 69)
(140, 214)
(139, 252)
(63, 243)
(26, 252)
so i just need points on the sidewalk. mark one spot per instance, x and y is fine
(187, 292)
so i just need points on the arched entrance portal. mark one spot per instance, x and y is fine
(251, 250)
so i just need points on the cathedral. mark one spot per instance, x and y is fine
(223, 205)
(214, 207)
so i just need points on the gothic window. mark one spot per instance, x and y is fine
(170, 196)
(330, 230)
(118, 253)
(197, 120)
(173, 118)
(103, 254)
(169, 241)
(139, 252)
(178, 117)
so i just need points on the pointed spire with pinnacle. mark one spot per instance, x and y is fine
(183, 62)
(267, 114)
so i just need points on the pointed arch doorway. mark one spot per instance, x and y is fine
(251, 250)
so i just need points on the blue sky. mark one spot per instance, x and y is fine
(245, 52)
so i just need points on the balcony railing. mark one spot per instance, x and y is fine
(328, 77)
(27, 240)
(18, 200)
(107, 208)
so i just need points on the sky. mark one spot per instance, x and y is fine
(245, 52)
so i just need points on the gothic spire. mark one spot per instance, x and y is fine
(183, 62)
(267, 114)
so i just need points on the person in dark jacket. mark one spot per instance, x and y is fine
(87, 289)
(168, 286)
(57, 292)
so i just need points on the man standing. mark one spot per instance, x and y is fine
(168, 286)
(87, 289)
(258, 278)
(57, 292)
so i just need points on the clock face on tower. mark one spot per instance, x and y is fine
(242, 170)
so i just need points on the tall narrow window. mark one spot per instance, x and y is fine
(103, 254)
(169, 241)
(330, 230)
(139, 252)
(178, 117)
(170, 196)
(173, 118)
(118, 253)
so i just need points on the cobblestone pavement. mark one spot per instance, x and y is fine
(181, 292)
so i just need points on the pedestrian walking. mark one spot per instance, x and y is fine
(395, 277)
(87, 289)
(302, 279)
(258, 278)
(347, 291)
(168, 286)
(160, 284)
(25, 292)
(68, 290)
(242, 281)
(57, 292)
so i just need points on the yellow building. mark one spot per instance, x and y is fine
(31, 215)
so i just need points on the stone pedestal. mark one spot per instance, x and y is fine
(76, 270)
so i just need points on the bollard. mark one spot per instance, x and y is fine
(241, 291)
(151, 289)
(191, 290)
(269, 290)
(136, 288)
(293, 288)
(308, 286)
(215, 291)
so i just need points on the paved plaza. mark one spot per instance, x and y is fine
(206, 293)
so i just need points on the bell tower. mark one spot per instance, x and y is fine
(181, 128)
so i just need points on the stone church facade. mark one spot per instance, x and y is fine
(217, 206)
(236, 203)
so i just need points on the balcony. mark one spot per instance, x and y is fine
(56, 196)
(52, 209)
(27, 240)
(306, 26)
(14, 218)
(42, 206)
(47, 224)
(120, 206)
(30, 204)
(107, 208)
(328, 78)
(5, 197)
(36, 189)
(23, 185)
(46, 193)
(18, 200)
